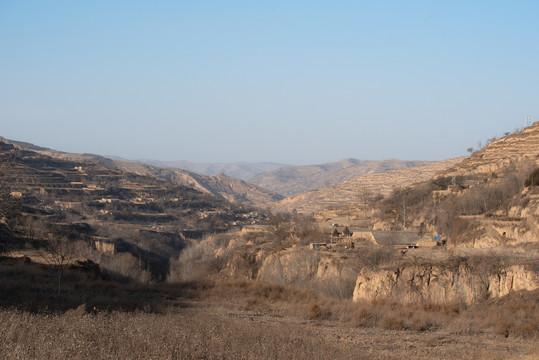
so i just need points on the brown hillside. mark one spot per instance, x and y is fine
(294, 180)
(139, 214)
(352, 191)
(489, 200)
(520, 147)
(239, 170)
(221, 185)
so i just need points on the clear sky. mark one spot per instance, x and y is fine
(296, 82)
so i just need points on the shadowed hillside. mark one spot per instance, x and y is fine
(150, 219)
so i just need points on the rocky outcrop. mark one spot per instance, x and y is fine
(299, 267)
(289, 267)
(519, 225)
(438, 284)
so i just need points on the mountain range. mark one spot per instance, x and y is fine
(356, 189)
(263, 189)
(294, 180)
(220, 185)
(239, 170)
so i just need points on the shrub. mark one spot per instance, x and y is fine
(374, 256)
(532, 179)
(316, 312)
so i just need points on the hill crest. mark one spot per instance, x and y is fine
(295, 180)
(223, 187)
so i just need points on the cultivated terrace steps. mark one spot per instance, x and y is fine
(521, 147)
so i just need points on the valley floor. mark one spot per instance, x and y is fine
(200, 329)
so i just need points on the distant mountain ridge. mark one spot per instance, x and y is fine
(294, 180)
(239, 170)
(353, 190)
(221, 185)
(502, 157)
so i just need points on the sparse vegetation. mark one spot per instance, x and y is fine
(246, 319)
(205, 288)
(10, 206)
(532, 179)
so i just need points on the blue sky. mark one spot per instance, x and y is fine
(294, 82)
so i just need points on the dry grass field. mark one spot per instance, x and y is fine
(256, 321)
(265, 294)
(209, 332)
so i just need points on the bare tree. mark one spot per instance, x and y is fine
(401, 195)
(9, 205)
(491, 140)
(279, 225)
(479, 145)
(59, 253)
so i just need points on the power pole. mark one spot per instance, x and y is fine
(403, 211)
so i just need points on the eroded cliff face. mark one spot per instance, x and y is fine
(301, 267)
(289, 267)
(518, 227)
(442, 285)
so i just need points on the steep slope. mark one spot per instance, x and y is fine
(520, 147)
(490, 199)
(86, 158)
(508, 212)
(354, 190)
(439, 284)
(239, 170)
(294, 180)
(222, 186)
(150, 218)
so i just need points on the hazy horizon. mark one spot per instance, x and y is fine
(116, 157)
(285, 82)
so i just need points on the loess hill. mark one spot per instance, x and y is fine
(82, 197)
(487, 200)
(222, 186)
(441, 291)
(239, 170)
(294, 180)
(355, 190)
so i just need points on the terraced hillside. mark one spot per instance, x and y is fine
(367, 186)
(139, 214)
(520, 147)
(221, 186)
(294, 180)
(488, 200)
(239, 170)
